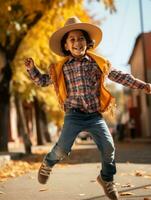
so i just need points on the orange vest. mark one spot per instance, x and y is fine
(57, 77)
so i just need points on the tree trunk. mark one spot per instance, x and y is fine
(22, 125)
(44, 125)
(38, 127)
(4, 127)
(5, 76)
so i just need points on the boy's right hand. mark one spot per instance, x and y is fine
(29, 63)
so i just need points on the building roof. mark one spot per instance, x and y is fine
(146, 38)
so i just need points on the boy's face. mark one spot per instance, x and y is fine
(76, 43)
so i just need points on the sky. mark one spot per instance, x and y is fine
(120, 29)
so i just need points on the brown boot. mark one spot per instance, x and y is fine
(109, 188)
(44, 172)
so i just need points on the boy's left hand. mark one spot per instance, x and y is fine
(148, 88)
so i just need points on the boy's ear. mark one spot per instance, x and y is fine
(66, 47)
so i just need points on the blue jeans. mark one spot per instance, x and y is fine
(75, 122)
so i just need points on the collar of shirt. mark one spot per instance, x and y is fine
(72, 58)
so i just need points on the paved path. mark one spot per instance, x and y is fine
(77, 180)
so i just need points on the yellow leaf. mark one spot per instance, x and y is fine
(126, 193)
(2, 192)
(43, 189)
(127, 185)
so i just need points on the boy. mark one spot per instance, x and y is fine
(79, 84)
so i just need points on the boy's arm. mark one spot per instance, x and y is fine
(42, 80)
(38, 78)
(128, 80)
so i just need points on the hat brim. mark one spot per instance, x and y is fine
(94, 32)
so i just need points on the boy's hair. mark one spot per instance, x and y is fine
(89, 41)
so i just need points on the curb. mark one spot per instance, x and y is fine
(4, 159)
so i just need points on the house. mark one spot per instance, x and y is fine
(140, 106)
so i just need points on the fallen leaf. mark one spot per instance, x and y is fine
(43, 189)
(147, 187)
(126, 194)
(128, 185)
(2, 192)
(117, 184)
(147, 198)
(92, 181)
(147, 176)
(81, 194)
(139, 173)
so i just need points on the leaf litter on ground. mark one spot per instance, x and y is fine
(16, 168)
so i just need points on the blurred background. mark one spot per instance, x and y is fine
(30, 115)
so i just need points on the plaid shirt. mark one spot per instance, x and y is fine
(82, 79)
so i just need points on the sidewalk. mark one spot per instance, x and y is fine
(77, 182)
(75, 178)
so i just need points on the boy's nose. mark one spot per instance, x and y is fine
(77, 41)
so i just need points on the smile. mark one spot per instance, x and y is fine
(78, 48)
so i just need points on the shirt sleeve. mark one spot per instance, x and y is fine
(126, 79)
(39, 79)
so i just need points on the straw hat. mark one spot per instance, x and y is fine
(74, 23)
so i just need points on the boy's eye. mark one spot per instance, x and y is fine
(79, 39)
(82, 38)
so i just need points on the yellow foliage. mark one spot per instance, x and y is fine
(15, 17)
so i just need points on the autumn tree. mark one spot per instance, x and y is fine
(16, 18)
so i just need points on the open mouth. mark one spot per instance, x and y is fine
(78, 48)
